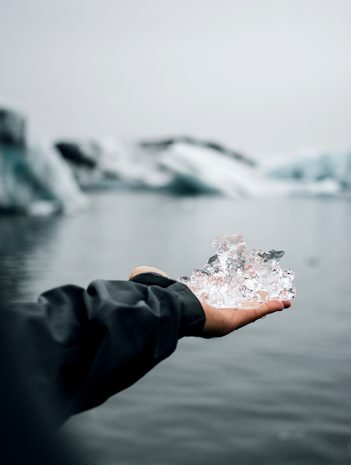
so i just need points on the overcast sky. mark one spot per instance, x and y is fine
(260, 75)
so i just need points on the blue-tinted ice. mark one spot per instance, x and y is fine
(236, 277)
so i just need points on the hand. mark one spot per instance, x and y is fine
(222, 321)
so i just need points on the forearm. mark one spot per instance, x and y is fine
(82, 346)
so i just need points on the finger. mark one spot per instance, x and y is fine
(243, 317)
(267, 308)
(270, 306)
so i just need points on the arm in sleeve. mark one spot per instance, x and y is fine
(82, 346)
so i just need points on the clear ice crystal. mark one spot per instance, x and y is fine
(237, 277)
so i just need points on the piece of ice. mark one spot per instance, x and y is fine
(241, 278)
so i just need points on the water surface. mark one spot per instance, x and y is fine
(277, 392)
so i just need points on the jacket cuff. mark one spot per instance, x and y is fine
(153, 279)
(193, 315)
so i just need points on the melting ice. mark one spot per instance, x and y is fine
(237, 277)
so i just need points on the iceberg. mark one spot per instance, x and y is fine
(184, 165)
(164, 144)
(204, 170)
(179, 165)
(33, 178)
(314, 172)
(106, 163)
(93, 163)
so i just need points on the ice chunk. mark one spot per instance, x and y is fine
(237, 277)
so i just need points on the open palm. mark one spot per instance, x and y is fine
(222, 321)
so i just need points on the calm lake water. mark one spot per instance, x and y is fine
(277, 392)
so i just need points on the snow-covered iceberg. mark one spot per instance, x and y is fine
(94, 163)
(179, 165)
(33, 178)
(186, 165)
(166, 143)
(314, 172)
(203, 170)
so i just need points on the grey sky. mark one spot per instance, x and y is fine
(260, 75)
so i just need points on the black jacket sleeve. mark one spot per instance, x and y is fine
(82, 346)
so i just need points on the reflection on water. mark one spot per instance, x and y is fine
(25, 242)
(277, 392)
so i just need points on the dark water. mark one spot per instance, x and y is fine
(277, 392)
